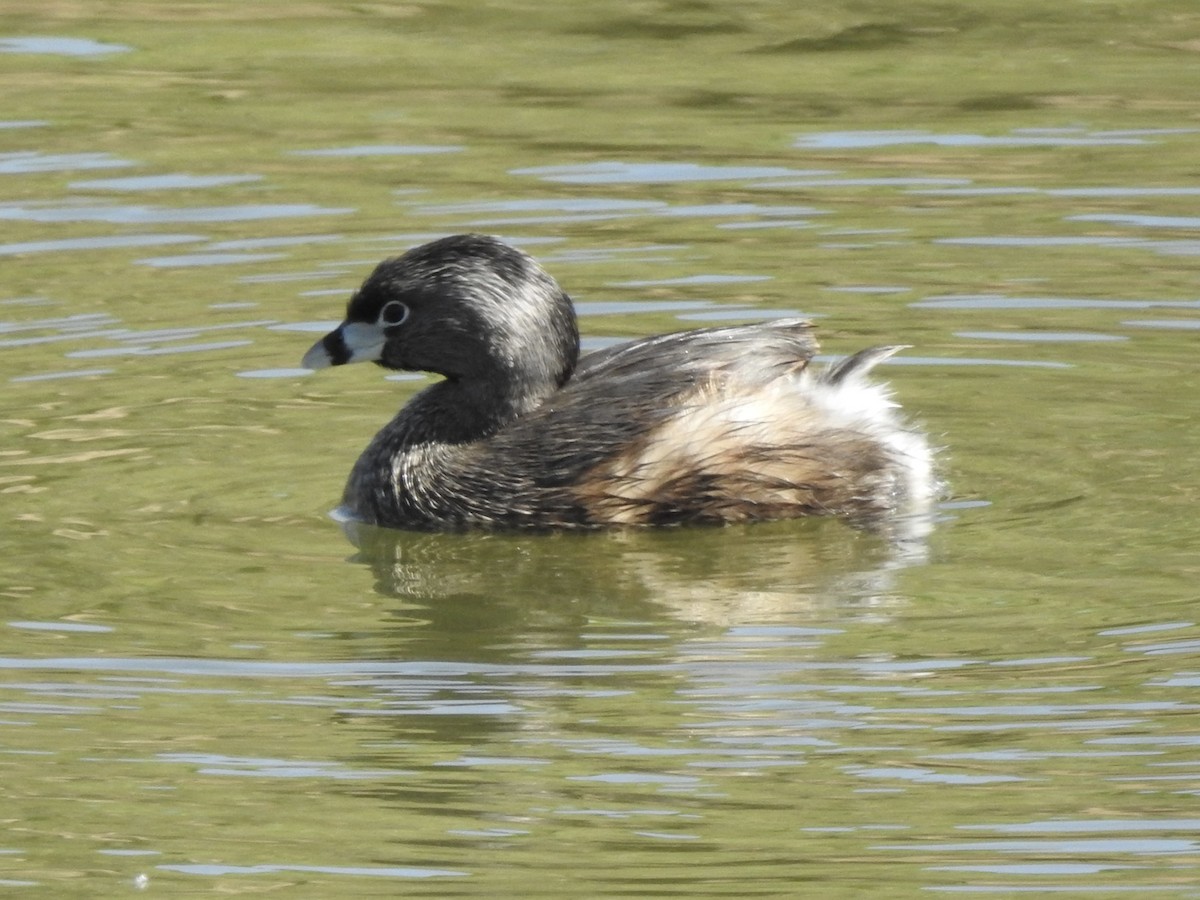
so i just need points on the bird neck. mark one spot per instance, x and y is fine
(458, 411)
(413, 469)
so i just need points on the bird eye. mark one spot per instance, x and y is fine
(393, 313)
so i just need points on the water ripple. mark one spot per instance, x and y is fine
(1001, 301)
(860, 140)
(31, 162)
(162, 182)
(1041, 336)
(157, 215)
(379, 150)
(60, 46)
(1146, 221)
(658, 173)
(104, 242)
(214, 870)
(207, 259)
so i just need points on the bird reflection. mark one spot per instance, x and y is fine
(716, 576)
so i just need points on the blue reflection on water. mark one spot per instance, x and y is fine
(658, 173)
(161, 182)
(379, 150)
(1067, 137)
(1123, 845)
(275, 373)
(1036, 337)
(548, 204)
(29, 162)
(267, 767)
(157, 351)
(1041, 240)
(999, 301)
(207, 259)
(692, 279)
(1171, 324)
(155, 215)
(60, 46)
(214, 870)
(61, 626)
(99, 242)
(1146, 221)
(53, 376)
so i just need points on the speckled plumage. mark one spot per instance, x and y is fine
(713, 425)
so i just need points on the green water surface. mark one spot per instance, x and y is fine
(205, 688)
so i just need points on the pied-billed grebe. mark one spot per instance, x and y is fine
(727, 424)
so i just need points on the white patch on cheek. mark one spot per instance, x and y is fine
(364, 341)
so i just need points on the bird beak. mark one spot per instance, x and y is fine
(348, 343)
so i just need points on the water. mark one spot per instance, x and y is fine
(206, 687)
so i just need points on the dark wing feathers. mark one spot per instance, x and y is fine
(619, 395)
(783, 345)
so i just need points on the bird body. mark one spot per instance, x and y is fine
(712, 425)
